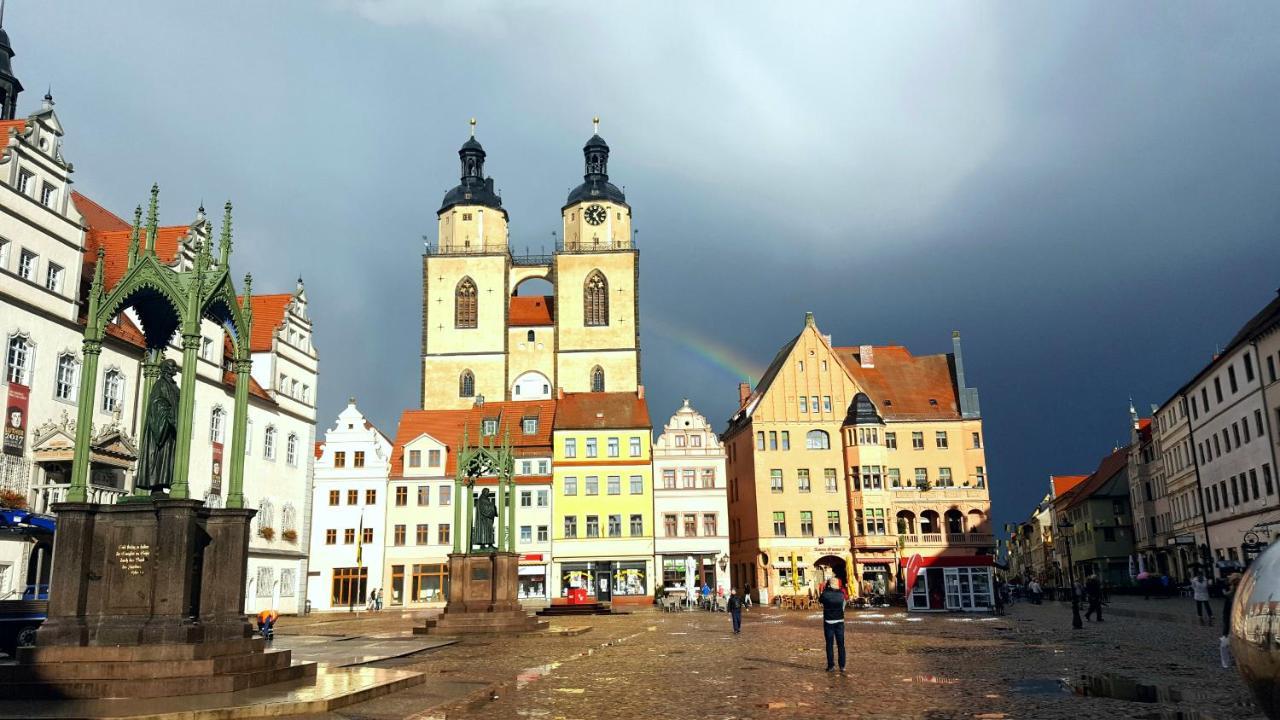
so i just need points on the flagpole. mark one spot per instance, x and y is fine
(359, 563)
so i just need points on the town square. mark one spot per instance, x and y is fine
(381, 359)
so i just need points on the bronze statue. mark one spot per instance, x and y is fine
(159, 433)
(486, 512)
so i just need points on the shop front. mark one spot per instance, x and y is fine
(949, 583)
(532, 577)
(611, 581)
(680, 571)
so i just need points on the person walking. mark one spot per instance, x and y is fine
(833, 599)
(735, 610)
(1200, 593)
(999, 593)
(1093, 593)
(746, 596)
(1033, 589)
(1228, 596)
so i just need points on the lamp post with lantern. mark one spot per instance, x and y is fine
(1066, 527)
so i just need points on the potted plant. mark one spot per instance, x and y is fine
(923, 486)
(290, 536)
(267, 533)
(12, 499)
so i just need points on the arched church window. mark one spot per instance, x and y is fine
(597, 379)
(464, 304)
(466, 384)
(595, 300)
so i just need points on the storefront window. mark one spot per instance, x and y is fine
(673, 570)
(430, 582)
(629, 579)
(574, 576)
(397, 584)
(533, 581)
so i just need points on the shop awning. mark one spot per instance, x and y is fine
(533, 569)
(953, 561)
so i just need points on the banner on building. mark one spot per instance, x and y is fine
(15, 420)
(216, 484)
(912, 570)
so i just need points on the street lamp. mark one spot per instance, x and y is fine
(1066, 526)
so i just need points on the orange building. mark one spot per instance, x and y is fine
(852, 461)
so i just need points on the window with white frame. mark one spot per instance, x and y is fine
(64, 387)
(269, 443)
(291, 450)
(206, 348)
(4, 253)
(19, 358)
(27, 265)
(112, 390)
(217, 420)
(48, 193)
(24, 181)
(53, 277)
(248, 436)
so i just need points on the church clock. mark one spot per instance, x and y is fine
(595, 214)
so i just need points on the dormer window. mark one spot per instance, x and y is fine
(529, 425)
(47, 194)
(489, 427)
(24, 181)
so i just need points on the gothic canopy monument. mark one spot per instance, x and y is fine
(131, 585)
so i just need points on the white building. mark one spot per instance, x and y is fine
(690, 503)
(349, 503)
(420, 513)
(49, 240)
(1233, 415)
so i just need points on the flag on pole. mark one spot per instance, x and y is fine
(360, 541)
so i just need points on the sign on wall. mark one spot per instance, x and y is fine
(15, 420)
(217, 469)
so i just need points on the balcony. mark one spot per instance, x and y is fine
(937, 495)
(871, 542)
(950, 539)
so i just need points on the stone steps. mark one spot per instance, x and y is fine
(125, 670)
(156, 687)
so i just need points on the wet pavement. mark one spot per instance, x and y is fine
(1027, 664)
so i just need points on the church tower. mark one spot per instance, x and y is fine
(9, 85)
(481, 339)
(596, 278)
(464, 292)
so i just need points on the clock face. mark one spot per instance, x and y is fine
(595, 214)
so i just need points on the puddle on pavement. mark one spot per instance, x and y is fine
(533, 674)
(1118, 687)
(1040, 686)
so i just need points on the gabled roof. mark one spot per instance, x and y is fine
(95, 216)
(904, 386)
(268, 316)
(1116, 462)
(1062, 484)
(531, 310)
(447, 426)
(599, 411)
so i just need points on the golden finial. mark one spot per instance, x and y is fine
(473, 127)
(595, 125)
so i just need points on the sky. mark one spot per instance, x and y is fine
(1087, 191)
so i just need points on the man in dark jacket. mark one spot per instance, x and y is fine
(833, 600)
(1093, 593)
(734, 607)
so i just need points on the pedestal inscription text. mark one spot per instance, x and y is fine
(132, 559)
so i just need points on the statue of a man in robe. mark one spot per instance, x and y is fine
(486, 513)
(159, 433)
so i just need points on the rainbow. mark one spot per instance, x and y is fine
(712, 354)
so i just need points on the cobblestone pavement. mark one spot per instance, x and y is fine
(650, 665)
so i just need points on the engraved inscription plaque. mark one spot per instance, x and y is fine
(132, 558)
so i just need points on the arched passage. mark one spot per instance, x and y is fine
(531, 385)
(832, 566)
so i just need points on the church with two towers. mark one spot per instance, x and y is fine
(480, 339)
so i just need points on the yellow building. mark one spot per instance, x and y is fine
(479, 338)
(602, 547)
(851, 461)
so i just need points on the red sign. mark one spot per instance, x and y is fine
(15, 419)
(528, 557)
(913, 569)
(216, 487)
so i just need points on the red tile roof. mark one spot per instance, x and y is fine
(319, 450)
(1063, 483)
(608, 410)
(268, 316)
(1116, 462)
(7, 125)
(531, 310)
(95, 216)
(115, 243)
(904, 386)
(447, 427)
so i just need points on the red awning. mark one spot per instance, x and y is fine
(953, 561)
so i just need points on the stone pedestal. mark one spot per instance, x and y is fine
(147, 600)
(483, 592)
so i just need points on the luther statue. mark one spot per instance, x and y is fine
(159, 433)
(486, 512)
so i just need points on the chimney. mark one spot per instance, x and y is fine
(559, 392)
(744, 392)
(640, 392)
(866, 354)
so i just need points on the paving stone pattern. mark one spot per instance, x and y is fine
(658, 665)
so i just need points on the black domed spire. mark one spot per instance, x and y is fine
(596, 185)
(862, 412)
(474, 188)
(9, 85)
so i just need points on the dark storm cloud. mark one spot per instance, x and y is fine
(1087, 191)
